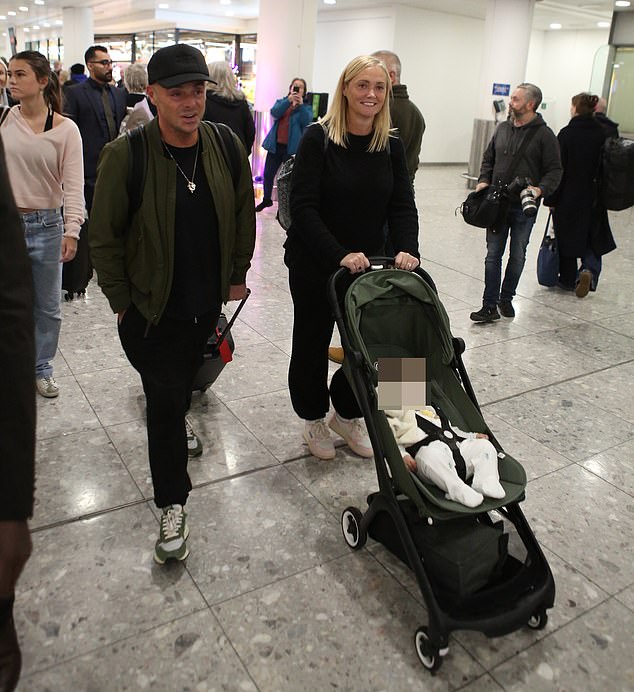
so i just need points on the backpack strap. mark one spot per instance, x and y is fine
(137, 168)
(230, 153)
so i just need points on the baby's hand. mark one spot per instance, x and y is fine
(410, 462)
(481, 436)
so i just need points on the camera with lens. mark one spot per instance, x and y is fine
(527, 196)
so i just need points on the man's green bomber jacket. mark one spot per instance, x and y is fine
(134, 259)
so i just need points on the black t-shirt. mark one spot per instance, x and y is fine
(196, 279)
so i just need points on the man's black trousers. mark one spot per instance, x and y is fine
(167, 356)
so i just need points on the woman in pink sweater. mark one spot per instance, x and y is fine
(45, 164)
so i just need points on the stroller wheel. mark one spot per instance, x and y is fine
(538, 621)
(428, 655)
(354, 535)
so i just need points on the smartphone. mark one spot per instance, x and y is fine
(296, 89)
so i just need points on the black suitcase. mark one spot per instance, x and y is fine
(218, 351)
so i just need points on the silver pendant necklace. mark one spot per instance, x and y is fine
(191, 185)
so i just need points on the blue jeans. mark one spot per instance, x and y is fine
(43, 231)
(520, 226)
(592, 263)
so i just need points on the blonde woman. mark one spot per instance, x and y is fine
(225, 103)
(344, 193)
(5, 96)
(45, 166)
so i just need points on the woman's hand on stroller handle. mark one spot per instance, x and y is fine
(355, 262)
(406, 261)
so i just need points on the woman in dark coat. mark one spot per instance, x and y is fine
(225, 103)
(580, 220)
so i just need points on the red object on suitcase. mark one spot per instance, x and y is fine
(218, 351)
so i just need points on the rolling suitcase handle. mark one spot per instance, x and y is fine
(227, 329)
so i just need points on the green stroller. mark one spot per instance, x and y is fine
(468, 575)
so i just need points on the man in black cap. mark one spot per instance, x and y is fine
(167, 267)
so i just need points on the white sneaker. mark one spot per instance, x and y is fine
(354, 433)
(171, 543)
(47, 386)
(317, 437)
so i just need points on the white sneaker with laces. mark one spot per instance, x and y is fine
(317, 437)
(47, 386)
(171, 543)
(354, 433)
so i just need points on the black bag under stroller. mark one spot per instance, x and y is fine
(218, 350)
(459, 555)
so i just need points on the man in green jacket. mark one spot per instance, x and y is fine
(167, 270)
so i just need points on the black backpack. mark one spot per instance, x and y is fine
(138, 156)
(617, 174)
(284, 187)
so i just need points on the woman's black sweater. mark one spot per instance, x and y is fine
(342, 199)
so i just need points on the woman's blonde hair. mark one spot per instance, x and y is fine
(336, 119)
(225, 79)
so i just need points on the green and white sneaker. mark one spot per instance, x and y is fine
(171, 544)
(194, 445)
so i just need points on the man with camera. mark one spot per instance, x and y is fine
(527, 147)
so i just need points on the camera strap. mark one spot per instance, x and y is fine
(510, 171)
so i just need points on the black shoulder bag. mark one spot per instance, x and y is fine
(484, 207)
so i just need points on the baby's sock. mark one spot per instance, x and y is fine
(486, 479)
(462, 493)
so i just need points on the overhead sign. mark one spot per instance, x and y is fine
(501, 89)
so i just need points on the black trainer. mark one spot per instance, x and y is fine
(486, 313)
(506, 308)
(264, 204)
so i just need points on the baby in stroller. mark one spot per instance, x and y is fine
(442, 454)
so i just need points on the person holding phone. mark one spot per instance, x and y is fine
(292, 116)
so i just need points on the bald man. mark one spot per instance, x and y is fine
(405, 115)
(610, 128)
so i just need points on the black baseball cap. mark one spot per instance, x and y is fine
(177, 64)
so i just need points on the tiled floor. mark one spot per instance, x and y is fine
(271, 598)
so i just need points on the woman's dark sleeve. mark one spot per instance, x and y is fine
(402, 215)
(553, 199)
(308, 228)
(17, 353)
(249, 128)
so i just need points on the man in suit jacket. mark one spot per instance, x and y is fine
(98, 109)
(17, 420)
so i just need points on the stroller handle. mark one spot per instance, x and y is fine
(376, 264)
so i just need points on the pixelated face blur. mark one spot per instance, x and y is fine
(23, 81)
(365, 93)
(402, 384)
(180, 110)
